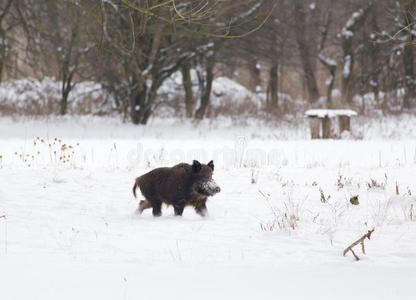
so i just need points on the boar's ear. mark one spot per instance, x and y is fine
(196, 166)
(211, 165)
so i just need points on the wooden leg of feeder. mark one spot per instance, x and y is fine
(344, 123)
(326, 128)
(314, 124)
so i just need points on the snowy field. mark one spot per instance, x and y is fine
(277, 230)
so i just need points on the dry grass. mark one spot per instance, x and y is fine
(373, 183)
(56, 151)
(324, 199)
(286, 218)
(343, 181)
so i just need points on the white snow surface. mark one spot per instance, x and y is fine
(70, 231)
(330, 113)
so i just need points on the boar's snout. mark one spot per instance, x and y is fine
(208, 188)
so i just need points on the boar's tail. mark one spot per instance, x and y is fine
(136, 184)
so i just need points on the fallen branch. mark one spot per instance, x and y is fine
(359, 241)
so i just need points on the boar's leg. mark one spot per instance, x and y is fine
(143, 204)
(201, 209)
(157, 210)
(199, 201)
(178, 208)
(156, 205)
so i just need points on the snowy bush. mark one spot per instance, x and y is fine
(41, 97)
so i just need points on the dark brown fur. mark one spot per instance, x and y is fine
(176, 186)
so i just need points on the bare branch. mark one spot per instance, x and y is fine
(202, 13)
(359, 241)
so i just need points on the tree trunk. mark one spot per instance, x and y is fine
(255, 76)
(2, 52)
(330, 86)
(348, 32)
(66, 89)
(64, 100)
(408, 68)
(281, 77)
(329, 63)
(142, 104)
(272, 89)
(187, 86)
(206, 88)
(142, 99)
(137, 101)
(374, 50)
(305, 56)
(347, 76)
(3, 14)
(409, 77)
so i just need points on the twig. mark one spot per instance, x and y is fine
(323, 198)
(268, 203)
(359, 241)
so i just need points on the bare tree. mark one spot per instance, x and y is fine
(348, 35)
(187, 86)
(306, 58)
(217, 19)
(132, 46)
(57, 39)
(5, 9)
(151, 41)
(205, 79)
(329, 63)
(408, 54)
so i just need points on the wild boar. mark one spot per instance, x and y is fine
(181, 185)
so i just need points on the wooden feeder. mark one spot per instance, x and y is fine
(322, 118)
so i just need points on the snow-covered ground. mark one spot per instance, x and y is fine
(70, 231)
